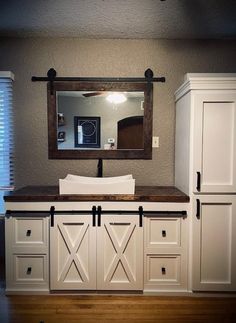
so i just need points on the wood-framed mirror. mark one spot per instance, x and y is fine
(93, 120)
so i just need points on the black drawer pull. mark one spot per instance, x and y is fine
(163, 270)
(28, 233)
(163, 232)
(29, 270)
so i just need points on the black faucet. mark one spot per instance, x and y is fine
(99, 166)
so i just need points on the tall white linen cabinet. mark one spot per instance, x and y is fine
(205, 169)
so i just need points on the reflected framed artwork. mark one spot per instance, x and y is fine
(87, 132)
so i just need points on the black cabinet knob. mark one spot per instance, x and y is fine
(163, 232)
(29, 270)
(163, 270)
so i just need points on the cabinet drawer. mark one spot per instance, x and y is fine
(163, 269)
(161, 232)
(30, 268)
(30, 231)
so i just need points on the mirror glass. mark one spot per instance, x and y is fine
(98, 120)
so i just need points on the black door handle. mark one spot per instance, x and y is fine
(198, 187)
(198, 209)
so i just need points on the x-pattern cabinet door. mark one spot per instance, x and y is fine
(119, 253)
(73, 253)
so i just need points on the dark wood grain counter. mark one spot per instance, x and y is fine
(142, 193)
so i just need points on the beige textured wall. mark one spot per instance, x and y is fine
(121, 58)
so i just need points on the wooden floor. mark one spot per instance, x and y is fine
(133, 309)
(126, 309)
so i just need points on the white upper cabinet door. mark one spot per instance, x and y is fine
(73, 253)
(119, 253)
(214, 152)
(214, 243)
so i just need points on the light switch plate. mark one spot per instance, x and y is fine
(155, 142)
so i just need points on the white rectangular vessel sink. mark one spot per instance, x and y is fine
(73, 184)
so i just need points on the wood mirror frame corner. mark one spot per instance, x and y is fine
(55, 153)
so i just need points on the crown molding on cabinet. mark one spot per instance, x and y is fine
(206, 81)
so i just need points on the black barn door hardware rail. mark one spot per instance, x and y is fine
(52, 77)
(182, 214)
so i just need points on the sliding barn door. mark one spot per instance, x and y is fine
(119, 253)
(73, 253)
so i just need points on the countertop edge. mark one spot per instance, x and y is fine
(143, 194)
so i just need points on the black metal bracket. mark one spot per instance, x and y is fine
(99, 213)
(52, 213)
(94, 211)
(140, 212)
(51, 77)
(8, 213)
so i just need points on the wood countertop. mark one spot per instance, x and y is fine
(142, 193)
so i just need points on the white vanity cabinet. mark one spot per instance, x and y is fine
(205, 169)
(58, 243)
(27, 241)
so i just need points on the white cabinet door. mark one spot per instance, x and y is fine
(73, 253)
(214, 243)
(119, 253)
(214, 153)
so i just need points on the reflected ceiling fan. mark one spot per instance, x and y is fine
(112, 98)
(89, 94)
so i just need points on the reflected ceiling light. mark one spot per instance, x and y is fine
(116, 98)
